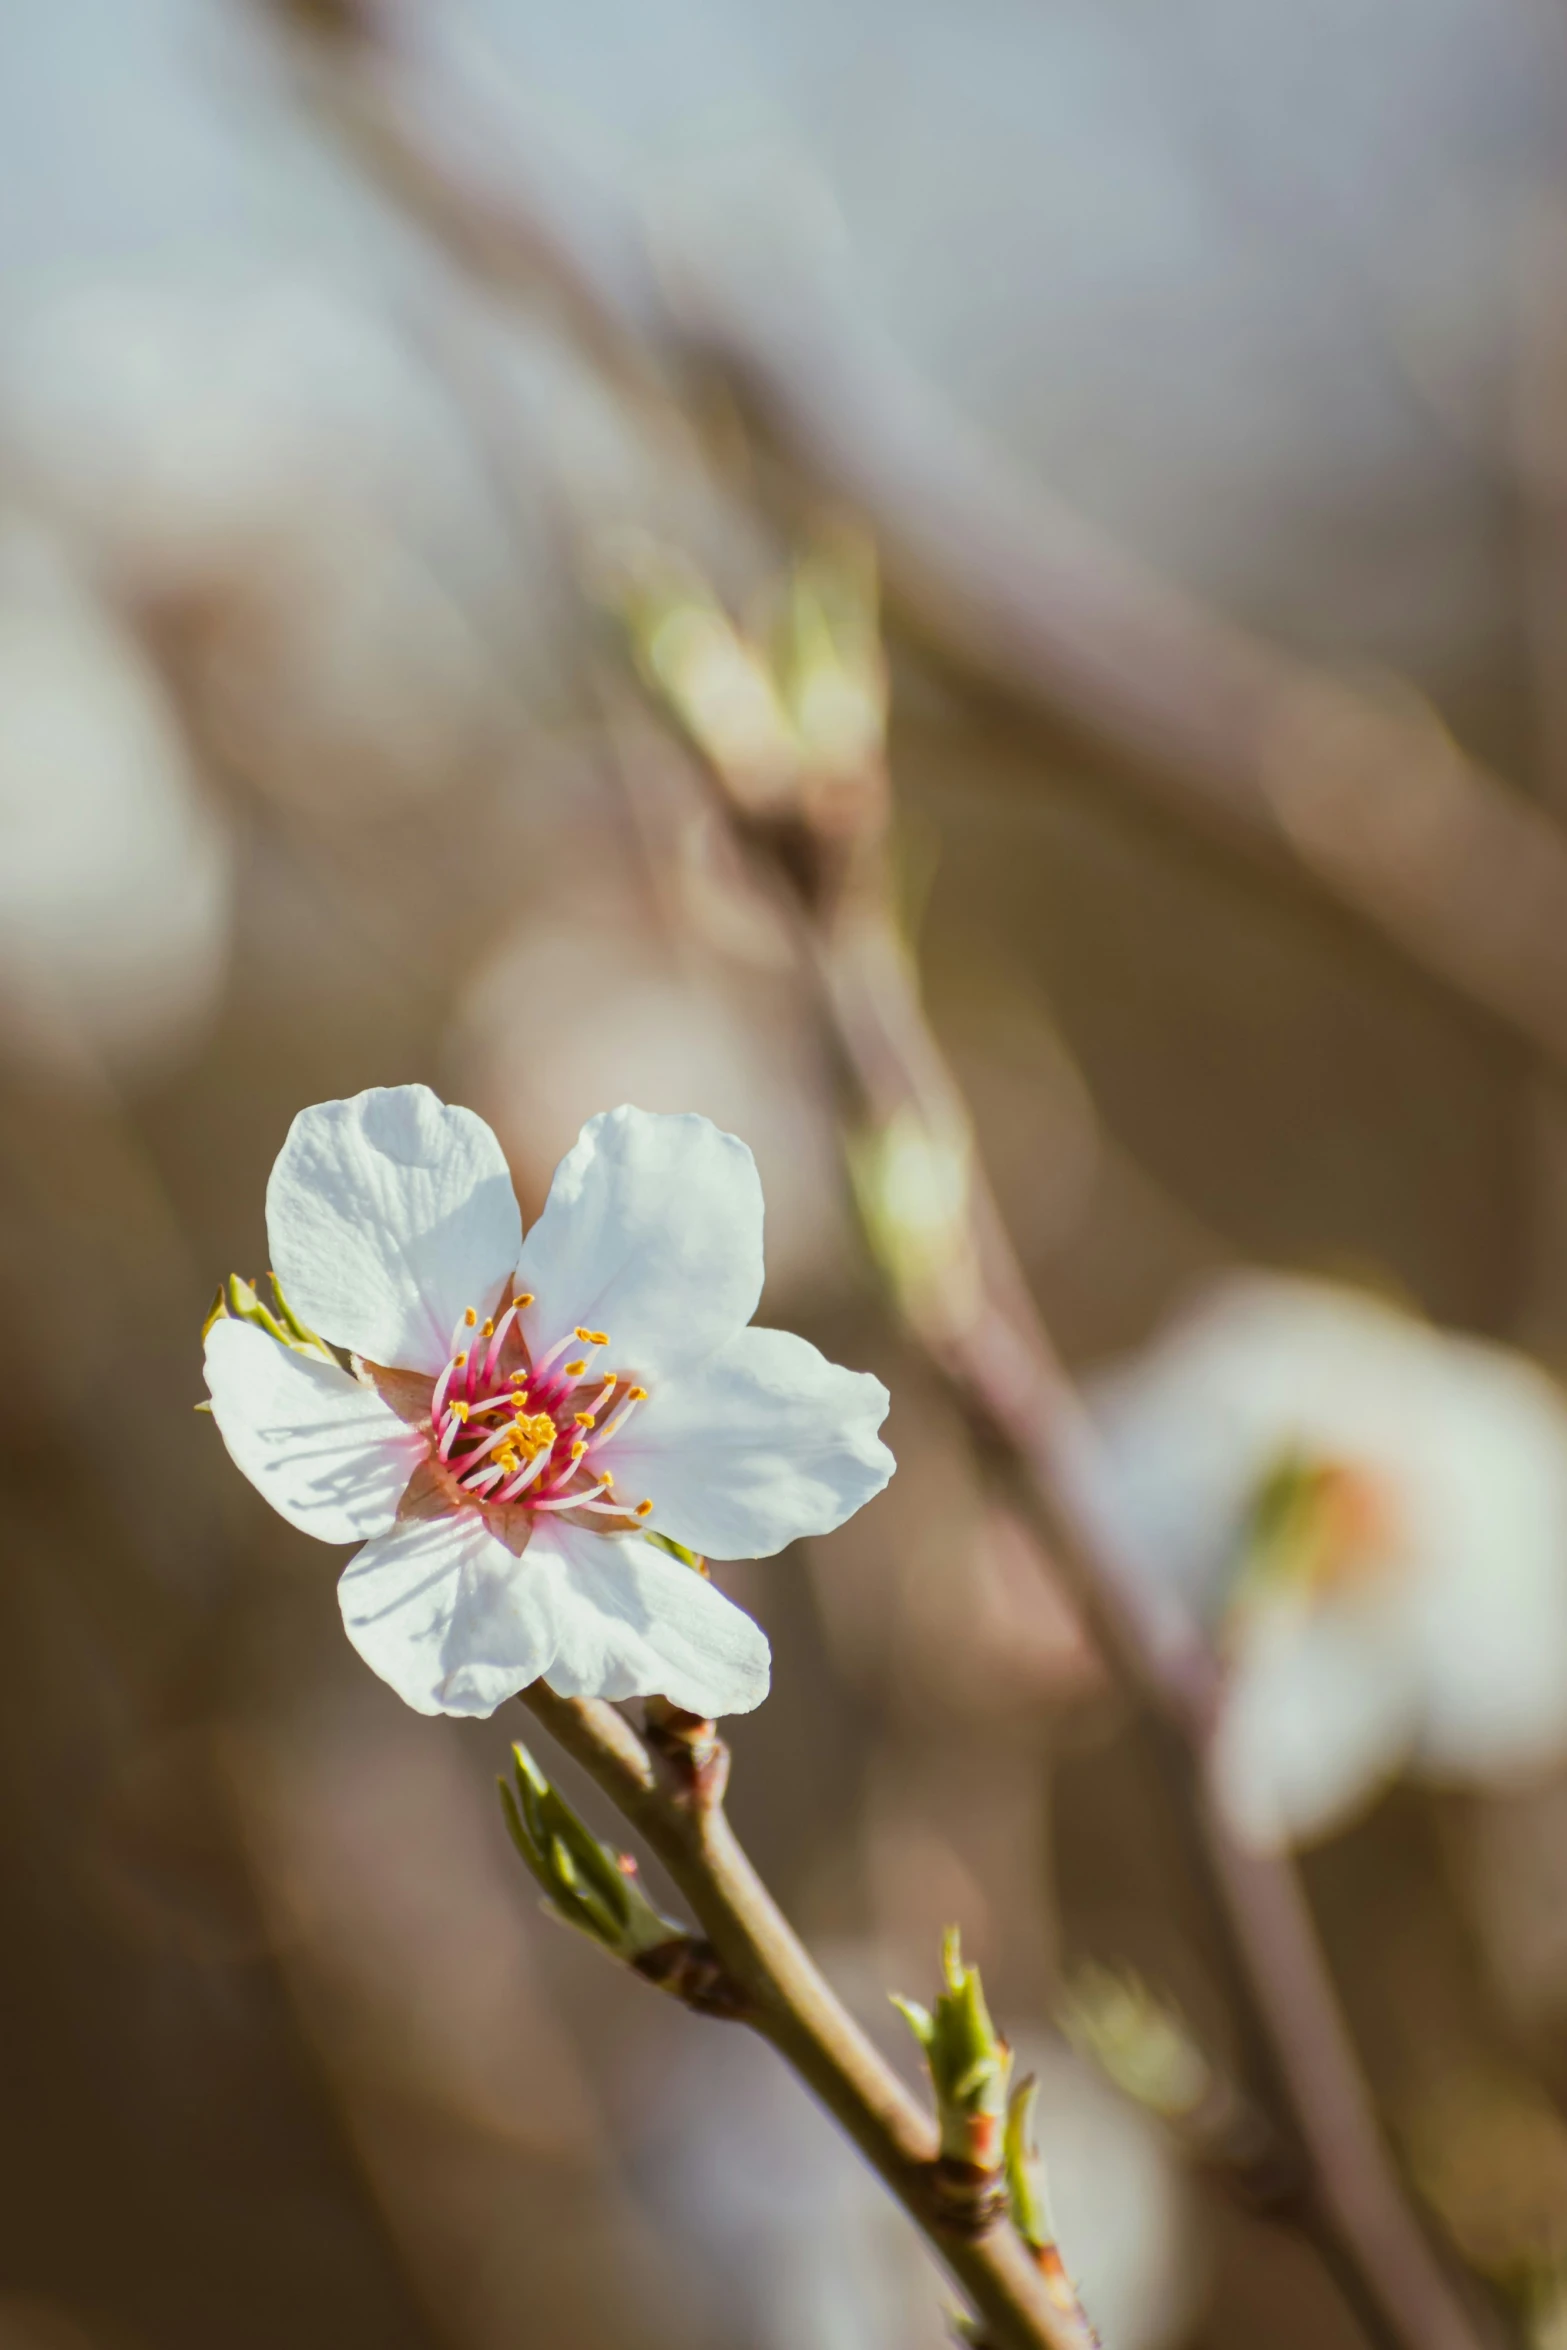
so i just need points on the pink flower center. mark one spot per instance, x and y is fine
(510, 1430)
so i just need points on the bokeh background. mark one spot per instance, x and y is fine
(322, 766)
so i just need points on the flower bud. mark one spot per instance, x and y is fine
(585, 1883)
(1140, 2042)
(970, 2064)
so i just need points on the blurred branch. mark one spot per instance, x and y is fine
(1363, 792)
(812, 805)
(972, 1310)
(678, 1808)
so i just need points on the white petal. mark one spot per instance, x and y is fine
(327, 1453)
(767, 1442)
(446, 1614)
(1488, 1612)
(457, 1624)
(1318, 1718)
(631, 1621)
(388, 1215)
(653, 1232)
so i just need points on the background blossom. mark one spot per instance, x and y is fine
(1433, 1632)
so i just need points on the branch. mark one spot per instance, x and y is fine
(1367, 796)
(680, 1815)
(976, 1318)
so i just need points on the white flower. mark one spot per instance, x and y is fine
(525, 1412)
(1372, 1516)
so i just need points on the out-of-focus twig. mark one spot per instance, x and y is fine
(1363, 792)
(679, 1811)
(806, 789)
(976, 1318)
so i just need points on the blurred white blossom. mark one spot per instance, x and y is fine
(279, 476)
(1371, 1517)
(114, 877)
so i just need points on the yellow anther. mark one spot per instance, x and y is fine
(578, 1449)
(575, 1370)
(459, 1411)
(469, 1316)
(518, 1303)
(593, 1337)
(535, 1432)
(607, 1477)
(636, 1395)
(584, 1419)
(458, 1361)
(519, 1378)
(642, 1509)
(489, 1329)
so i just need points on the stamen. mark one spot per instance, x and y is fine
(585, 1419)
(450, 1434)
(635, 1396)
(535, 1468)
(642, 1509)
(469, 1316)
(441, 1385)
(578, 1449)
(488, 1444)
(497, 1341)
(482, 1483)
(526, 1299)
(592, 1337)
(574, 1370)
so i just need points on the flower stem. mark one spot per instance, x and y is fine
(790, 2004)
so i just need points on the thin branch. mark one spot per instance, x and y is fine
(789, 2003)
(996, 1352)
(1364, 794)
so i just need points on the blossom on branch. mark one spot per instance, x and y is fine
(1370, 1516)
(527, 1423)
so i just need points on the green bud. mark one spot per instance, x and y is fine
(970, 2064)
(1139, 2041)
(828, 658)
(1025, 2172)
(913, 1185)
(585, 1883)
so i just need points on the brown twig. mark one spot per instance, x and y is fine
(995, 1351)
(790, 2005)
(1363, 793)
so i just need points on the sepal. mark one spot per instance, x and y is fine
(239, 1300)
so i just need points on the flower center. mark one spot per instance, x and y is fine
(1315, 1528)
(511, 1431)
